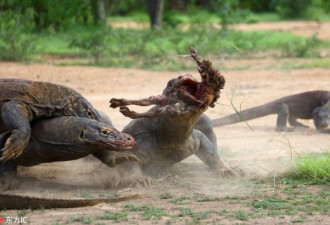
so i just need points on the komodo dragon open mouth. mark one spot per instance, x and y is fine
(181, 95)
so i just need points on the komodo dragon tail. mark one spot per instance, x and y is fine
(247, 114)
(9, 201)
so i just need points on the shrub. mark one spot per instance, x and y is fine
(314, 169)
(15, 44)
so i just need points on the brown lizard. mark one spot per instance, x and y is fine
(306, 105)
(22, 101)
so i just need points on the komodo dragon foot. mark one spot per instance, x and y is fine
(229, 172)
(135, 183)
(115, 158)
(15, 145)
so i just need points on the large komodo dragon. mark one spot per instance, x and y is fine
(176, 127)
(62, 139)
(22, 101)
(307, 105)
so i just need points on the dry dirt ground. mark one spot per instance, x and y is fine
(260, 153)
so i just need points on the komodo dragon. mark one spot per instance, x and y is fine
(22, 101)
(175, 127)
(306, 105)
(67, 138)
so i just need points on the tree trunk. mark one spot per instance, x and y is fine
(98, 11)
(155, 12)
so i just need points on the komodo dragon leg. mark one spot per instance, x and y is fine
(153, 100)
(16, 117)
(293, 122)
(205, 150)
(284, 116)
(166, 110)
(283, 113)
(8, 170)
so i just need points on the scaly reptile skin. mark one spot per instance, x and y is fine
(68, 138)
(176, 127)
(306, 105)
(22, 101)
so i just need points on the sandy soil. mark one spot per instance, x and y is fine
(262, 152)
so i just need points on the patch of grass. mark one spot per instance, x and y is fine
(313, 169)
(85, 194)
(241, 215)
(22, 213)
(166, 196)
(199, 197)
(296, 197)
(182, 200)
(299, 219)
(83, 219)
(271, 203)
(313, 63)
(196, 216)
(117, 217)
(149, 211)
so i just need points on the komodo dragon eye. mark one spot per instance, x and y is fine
(90, 113)
(105, 131)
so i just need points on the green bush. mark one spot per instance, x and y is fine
(93, 45)
(15, 43)
(308, 9)
(314, 168)
(162, 49)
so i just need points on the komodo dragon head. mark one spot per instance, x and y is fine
(81, 132)
(325, 114)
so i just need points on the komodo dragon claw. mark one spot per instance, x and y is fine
(14, 145)
(116, 158)
(229, 172)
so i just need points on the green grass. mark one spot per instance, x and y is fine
(85, 194)
(165, 196)
(311, 63)
(196, 216)
(241, 215)
(182, 200)
(314, 168)
(83, 219)
(149, 211)
(117, 217)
